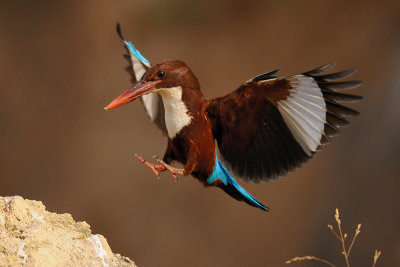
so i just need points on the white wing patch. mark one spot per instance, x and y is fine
(304, 111)
(150, 101)
(138, 68)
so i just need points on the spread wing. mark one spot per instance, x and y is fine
(136, 68)
(270, 125)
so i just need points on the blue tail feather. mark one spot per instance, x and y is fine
(232, 187)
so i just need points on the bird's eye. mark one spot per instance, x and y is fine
(160, 74)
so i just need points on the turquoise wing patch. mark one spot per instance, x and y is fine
(136, 52)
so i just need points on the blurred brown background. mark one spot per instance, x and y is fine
(60, 64)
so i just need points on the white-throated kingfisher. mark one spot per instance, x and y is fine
(268, 126)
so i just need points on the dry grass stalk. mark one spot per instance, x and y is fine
(376, 257)
(309, 258)
(342, 238)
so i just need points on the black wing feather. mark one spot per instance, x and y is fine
(271, 150)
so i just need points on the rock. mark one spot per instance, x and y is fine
(32, 236)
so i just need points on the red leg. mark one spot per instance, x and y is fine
(153, 167)
(174, 171)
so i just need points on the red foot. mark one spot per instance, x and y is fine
(174, 171)
(155, 168)
(162, 167)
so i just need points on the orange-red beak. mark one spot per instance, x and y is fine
(133, 92)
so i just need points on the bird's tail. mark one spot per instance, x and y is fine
(231, 187)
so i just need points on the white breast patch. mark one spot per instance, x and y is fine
(176, 112)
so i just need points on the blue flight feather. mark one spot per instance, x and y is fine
(136, 52)
(239, 193)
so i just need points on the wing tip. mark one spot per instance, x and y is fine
(321, 69)
(357, 83)
(130, 47)
(346, 85)
(119, 32)
(335, 76)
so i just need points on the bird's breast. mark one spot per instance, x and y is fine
(176, 112)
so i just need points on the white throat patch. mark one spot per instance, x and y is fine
(176, 112)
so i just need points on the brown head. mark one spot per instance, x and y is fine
(162, 76)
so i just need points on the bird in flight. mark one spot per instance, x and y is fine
(268, 126)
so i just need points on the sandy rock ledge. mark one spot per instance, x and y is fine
(32, 236)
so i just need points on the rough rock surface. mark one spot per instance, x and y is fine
(32, 236)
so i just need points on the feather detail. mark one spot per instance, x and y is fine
(304, 112)
(138, 65)
(276, 124)
(231, 187)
